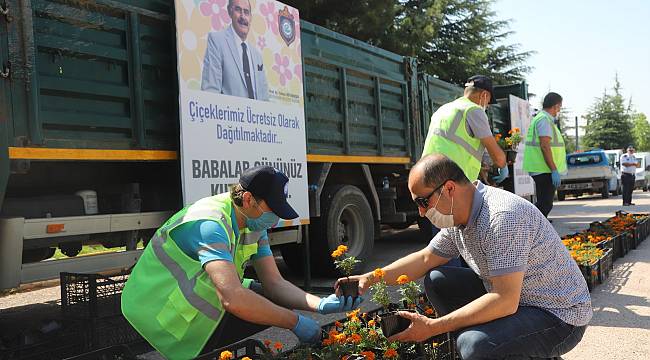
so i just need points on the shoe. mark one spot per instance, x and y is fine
(626, 204)
(631, 204)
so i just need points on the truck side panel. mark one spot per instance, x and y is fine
(356, 96)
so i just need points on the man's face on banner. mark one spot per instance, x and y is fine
(240, 13)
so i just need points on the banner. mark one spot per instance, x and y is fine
(241, 95)
(520, 118)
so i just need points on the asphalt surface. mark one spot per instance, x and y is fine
(620, 328)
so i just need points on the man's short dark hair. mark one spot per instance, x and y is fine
(230, 4)
(438, 168)
(237, 194)
(551, 99)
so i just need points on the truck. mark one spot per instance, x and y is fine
(589, 172)
(89, 137)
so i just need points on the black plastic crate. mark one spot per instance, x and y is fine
(91, 296)
(590, 273)
(617, 248)
(59, 345)
(606, 266)
(118, 352)
(251, 348)
(109, 331)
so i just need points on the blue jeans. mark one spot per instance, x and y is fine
(530, 333)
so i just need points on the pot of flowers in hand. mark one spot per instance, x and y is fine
(390, 322)
(346, 265)
(509, 144)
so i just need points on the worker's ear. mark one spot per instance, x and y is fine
(247, 199)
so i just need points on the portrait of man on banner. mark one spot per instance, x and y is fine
(231, 65)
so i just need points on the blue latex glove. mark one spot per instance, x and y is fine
(307, 330)
(555, 177)
(335, 304)
(503, 174)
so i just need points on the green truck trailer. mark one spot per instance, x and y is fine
(89, 133)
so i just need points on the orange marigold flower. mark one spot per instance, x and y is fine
(428, 311)
(267, 343)
(225, 355)
(336, 253)
(246, 358)
(342, 248)
(390, 353)
(353, 313)
(372, 333)
(368, 355)
(327, 342)
(378, 273)
(345, 357)
(355, 338)
(278, 346)
(364, 315)
(498, 137)
(371, 323)
(338, 324)
(333, 333)
(402, 279)
(340, 338)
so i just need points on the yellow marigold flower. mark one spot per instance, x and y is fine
(336, 253)
(402, 279)
(340, 338)
(371, 323)
(390, 353)
(342, 248)
(435, 344)
(225, 355)
(378, 273)
(246, 358)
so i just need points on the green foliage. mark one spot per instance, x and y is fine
(410, 292)
(608, 121)
(641, 132)
(379, 292)
(567, 128)
(347, 265)
(452, 39)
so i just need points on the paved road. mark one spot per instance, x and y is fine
(621, 325)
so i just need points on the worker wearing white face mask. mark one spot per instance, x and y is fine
(521, 282)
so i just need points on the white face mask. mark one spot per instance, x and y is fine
(438, 219)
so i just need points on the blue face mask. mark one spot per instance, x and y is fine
(267, 220)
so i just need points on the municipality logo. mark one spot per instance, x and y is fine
(287, 26)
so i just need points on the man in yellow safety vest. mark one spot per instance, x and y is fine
(187, 294)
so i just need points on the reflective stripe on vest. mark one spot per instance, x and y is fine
(535, 140)
(451, 135)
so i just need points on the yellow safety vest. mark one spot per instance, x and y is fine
(448, 136)
(169, 299)
(533, 157)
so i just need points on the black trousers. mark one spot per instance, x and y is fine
(628, 187)
(545, 192)
(232, 329)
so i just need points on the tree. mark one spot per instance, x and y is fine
(608, 121)
(641, 132)
(566, 125)
(452, 39)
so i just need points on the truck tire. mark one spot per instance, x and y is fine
(617, 190)
(346, 219)
(36, 255)
(561, 195)
(70, 249)
(604, 192)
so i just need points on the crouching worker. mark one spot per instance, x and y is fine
(522, 297)
(187, 295)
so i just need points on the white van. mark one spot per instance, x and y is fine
(642, 171)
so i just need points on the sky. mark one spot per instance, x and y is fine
(581, 45)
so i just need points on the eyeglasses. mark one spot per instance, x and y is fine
(423, 202)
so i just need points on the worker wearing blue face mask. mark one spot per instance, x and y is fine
(187, 294)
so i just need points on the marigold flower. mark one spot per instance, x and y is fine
(390, 353)
(225, 355)
(340, 338)
(353, 313)
(345, 357)
(246, 358)
(342, 248)
(327, 342)
(378, 273)
(402, 279)
(355, 338)
(338, 324)
(336, 253)
(278, 346)
(368, 355)
(428, 311)
(267, 343)
(372, 333)
(435, 344)
(333, 333)
(371, 323)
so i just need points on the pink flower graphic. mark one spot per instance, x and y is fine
(217, 11)
(297, 70)
(261, 42)
(270, 14)
(282, 68)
